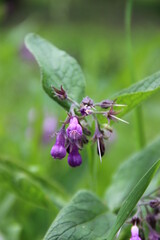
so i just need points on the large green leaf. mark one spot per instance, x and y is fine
(29, 186)
(57, 68)
(85, 217)
(138, 92)
(129, 173)
(132, 199)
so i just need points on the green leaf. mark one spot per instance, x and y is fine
(29, 186)
(129, 173)
(85, 217)
(138, 92)
(132, 200)
(57, 68)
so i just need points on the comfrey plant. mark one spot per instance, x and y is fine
(147, 216)
(86, 216)
(75, 136)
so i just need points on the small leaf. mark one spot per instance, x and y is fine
(138, 92)
(132, 200)
(57, 68)
(29, 186)
(85, 217)
(129, 173)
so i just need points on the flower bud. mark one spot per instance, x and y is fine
(61, 94)
(111, 115)
(87, 101)
(154, 203)
(135, 233)
(106, 104)
(74, 158)
(58, 151)
(74, 130)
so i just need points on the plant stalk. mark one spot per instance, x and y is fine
(138, 112)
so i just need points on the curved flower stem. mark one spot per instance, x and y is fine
(72, 101)
(138, 111)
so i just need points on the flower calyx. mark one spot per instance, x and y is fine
(60, 93)
(99, 138)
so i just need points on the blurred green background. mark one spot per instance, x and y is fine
(94, 33)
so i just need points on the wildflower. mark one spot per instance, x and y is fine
(77, 133)
(49, 128)
(152, 222)
(98, 136)
(87, 101)
(74, 158)
(74, 130)
(135, 233)
(106, 104)
(86, 110)
(58, 151)
(153, 235)
(86, 106)
(61, 94)
(111, 115)
(154, 203)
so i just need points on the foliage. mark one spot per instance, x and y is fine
(132, 96)
(93, 215)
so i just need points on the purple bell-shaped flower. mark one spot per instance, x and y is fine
(74, 158)
(135, 233)
(74, 130)
(58, 151)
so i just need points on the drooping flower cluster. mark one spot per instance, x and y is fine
(147, 218)
(72, 138)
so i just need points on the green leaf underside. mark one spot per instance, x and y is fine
(129, 173)
(85, 218)
(29, 186)
(132, 199)
(138, 92)
(57, 68)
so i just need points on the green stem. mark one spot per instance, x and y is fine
(93, 167)
(128, 16)
(138, 112)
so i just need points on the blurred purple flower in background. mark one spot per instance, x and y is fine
(49, 128)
